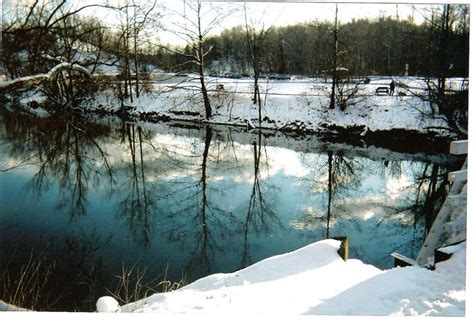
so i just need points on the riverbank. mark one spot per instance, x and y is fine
(297, 105)
(288, 106)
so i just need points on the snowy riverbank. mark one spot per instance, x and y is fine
(294, 105)
(299, 105)
(314, 280)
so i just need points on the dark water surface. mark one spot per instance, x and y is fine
(89, 199)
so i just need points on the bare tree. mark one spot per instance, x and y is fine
(140, 19)
(447, 102)
(344, 87)
(32, 30)
(135, 18)
(196, 22)
(347, 92)
(256, 45)
(332, 103)
(47, 38)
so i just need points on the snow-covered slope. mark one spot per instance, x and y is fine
(315, 280)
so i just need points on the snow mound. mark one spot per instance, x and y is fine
(107, 304)
(315, 280)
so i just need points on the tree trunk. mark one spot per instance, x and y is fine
(443, 51)
(332, 103)
(200, 62)
(207, 103)
(135, 56)
(255, 87)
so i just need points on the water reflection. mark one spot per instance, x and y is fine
(260, 216)
(200, 200)
(64, 151)
(84, 264)
(136, 206)
(430, 199)
(341, 175)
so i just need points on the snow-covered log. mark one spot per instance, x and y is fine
(66, 66)
(40, 79)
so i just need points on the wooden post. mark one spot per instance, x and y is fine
(344, 248)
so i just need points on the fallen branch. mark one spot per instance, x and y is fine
(38, 80)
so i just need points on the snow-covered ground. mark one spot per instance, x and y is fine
(290, 104)
(314, 280)
(296, 104)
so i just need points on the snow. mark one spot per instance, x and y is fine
(9, 307)
(42, 77)
(26, 79)
(314, 280)
(298, 103)
(287, 104)
(65, 65)
(107, 304)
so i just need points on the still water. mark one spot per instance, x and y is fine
(91, 199)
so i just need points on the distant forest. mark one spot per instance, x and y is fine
(366, 47)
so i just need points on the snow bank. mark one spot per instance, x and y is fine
(314, 280)
(295, 104)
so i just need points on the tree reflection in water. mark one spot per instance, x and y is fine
(349, 212)
(341, 174)
(66, 151)
(260, 213)
(431, 193)
(334, 176)
(136, 207)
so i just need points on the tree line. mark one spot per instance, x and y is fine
(366, 47)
